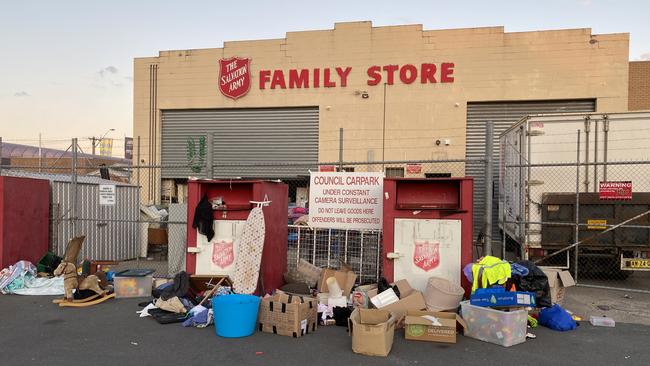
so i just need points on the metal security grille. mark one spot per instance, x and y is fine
(503, 115)
(238, 137)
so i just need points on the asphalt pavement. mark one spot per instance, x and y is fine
(33, 331)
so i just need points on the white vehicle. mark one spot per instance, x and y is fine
(530, 195)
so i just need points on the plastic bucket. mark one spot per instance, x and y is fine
(235, 316)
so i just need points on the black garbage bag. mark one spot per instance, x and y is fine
(536, 282)
(341, 315)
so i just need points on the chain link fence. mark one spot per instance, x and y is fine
(551, 212)
(145, 226)
(586, 214)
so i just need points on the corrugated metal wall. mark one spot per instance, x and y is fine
(503, 115)
(111, 231)
(240, 136)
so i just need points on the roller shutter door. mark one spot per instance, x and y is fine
(503, 115)
(251, 142)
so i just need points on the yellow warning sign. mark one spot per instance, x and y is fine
(596, 224)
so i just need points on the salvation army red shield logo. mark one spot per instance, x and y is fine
(426, 255)
(223, 254)
(234, 77)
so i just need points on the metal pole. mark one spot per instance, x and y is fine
(487, 243)
(329, 246)
(378, 256)
(137, 156)
(383, 135)
(73, 193)
(502, 200)
(595, 155)
(298, 249)
(587, 132)
(522, 244)
(137, 172)
(313, 257)
(208, 157)
(577, 208)
(40, 153)
(345, 257)
(605, 137)
(361, 260)
(341, 149)
(92, 139)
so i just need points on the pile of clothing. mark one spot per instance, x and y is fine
(176, 302)
(22, 279)
(492, 272)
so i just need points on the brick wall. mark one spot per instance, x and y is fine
(639, 86)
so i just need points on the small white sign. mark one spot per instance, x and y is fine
(107, 194)
(341, 200)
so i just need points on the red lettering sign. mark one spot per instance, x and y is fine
(414, 168)
(327, 168)
(615, 190)
(234, 77)
(426, 255)
(427, 73)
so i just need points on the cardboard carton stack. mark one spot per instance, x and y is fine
(288, 315)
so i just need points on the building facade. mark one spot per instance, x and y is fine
(398, 92)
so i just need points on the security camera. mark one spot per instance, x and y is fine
(438, 142)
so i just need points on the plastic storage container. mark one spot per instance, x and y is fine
(235, 316)
(133, 283)
(495, 326)
(602, 321)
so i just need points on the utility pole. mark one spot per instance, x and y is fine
(40, 153)
(96, 140)
(383, 136)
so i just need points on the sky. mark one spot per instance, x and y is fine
(66, 67)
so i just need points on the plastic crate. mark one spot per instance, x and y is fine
(505, 328)
(133, 283)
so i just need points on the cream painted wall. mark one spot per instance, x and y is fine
(490, 65)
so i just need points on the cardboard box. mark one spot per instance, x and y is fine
(372, 339)
(309, 272)
(410, 299)
(419, 328)
(499, 297)
(558, 280)
(345, 277)
(288, 315)
(373, 316)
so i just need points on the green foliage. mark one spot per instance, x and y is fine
(196, 160)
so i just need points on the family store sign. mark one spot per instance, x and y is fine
(235, 76)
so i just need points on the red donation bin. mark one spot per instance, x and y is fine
(427, 229)
(218, 256)
(24, 219)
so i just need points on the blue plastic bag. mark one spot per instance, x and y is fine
(556, 318)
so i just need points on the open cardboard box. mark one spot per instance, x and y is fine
(373, 332)
(422, 329)
(558, 281)
(344, 276)
(410, 299)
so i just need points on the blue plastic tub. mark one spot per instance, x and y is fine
(235, 316)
